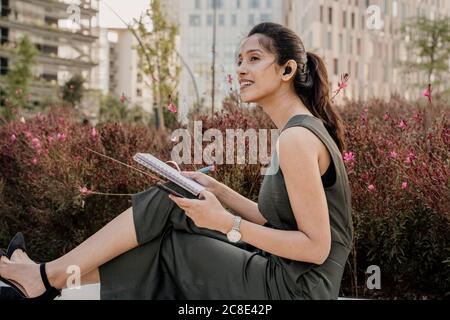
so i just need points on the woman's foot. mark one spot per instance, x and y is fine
(23, 272)
(20, 256)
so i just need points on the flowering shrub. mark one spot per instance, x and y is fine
(398, 167)
(53, 189)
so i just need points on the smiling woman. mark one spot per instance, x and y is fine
(292, 244)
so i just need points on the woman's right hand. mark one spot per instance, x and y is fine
(208, 182)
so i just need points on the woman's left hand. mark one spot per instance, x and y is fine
(207, 212)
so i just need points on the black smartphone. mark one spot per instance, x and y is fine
(169, 190)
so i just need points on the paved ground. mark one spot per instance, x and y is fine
(92, 292)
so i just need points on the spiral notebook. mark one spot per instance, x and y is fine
(168, 172)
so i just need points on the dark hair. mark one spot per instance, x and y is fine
(311, 78)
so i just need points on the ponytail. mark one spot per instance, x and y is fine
(313, 89)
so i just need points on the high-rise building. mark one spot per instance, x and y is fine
(125, 75)
(63, 33)
(362, 38)
(234, 19)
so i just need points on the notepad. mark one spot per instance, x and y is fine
(166, 171)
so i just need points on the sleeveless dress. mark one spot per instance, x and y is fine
(176, 259)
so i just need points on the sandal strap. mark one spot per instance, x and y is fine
(44, 277)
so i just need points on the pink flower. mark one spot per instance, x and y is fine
(393, 154)
(403, 124)
(229, 79)
(123, 98)
(50, 139)
(416, 117)
(427, 93)
(371, 188)
(93, 133)
(28, 134)
(40, 117)
(172, 108)
(349, 157)
(13, 137)
(341, 84)
(85, 191)
(404, 185)
(61, 137)
(34, 161)
(386, 117)
(410, 158)
(36, 143)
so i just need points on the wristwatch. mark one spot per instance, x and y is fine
(234, 235)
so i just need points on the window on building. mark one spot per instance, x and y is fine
(269, 4)
(341, 44)
(330, 15)
(139, 77)
(215, 3)
(194, 20)
(238, 4)
(254, 4)
(358, 46)
(350, 44)
(221, 20)
(321, 13)
(209, 20)
(344, 19)
(3, 66)
(265, 17)
(329, 41)
(4, 35)
(336, 66)
(251, 19)
(4, 8)
(353, 20)
(198, 4)
(139, 92)
(233, 20)
(356, 70)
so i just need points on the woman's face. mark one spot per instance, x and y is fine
(257, 71)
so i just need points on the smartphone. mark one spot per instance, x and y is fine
(169, 190)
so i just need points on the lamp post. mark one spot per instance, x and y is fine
(214, 57)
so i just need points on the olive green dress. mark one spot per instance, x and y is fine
(177, 260)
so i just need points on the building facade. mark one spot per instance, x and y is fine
(126, 77)
(362, 38)
(234, 19)
(63, 33)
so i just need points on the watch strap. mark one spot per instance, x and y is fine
(236, 223)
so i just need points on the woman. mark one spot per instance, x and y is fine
(295, 240)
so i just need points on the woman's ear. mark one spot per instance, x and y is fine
(289, 70)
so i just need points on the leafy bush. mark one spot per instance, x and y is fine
(397, 162)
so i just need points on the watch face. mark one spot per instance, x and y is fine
(234, 236)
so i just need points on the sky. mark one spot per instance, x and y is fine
(127, 9)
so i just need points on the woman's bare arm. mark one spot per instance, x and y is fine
(312, 241)
(242, 206)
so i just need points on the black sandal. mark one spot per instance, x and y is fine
(50, 292)
(17, 242)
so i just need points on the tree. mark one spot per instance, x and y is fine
(428, 47)
(18, 78)
(158, 56)
(73, 90)
(114, 110)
